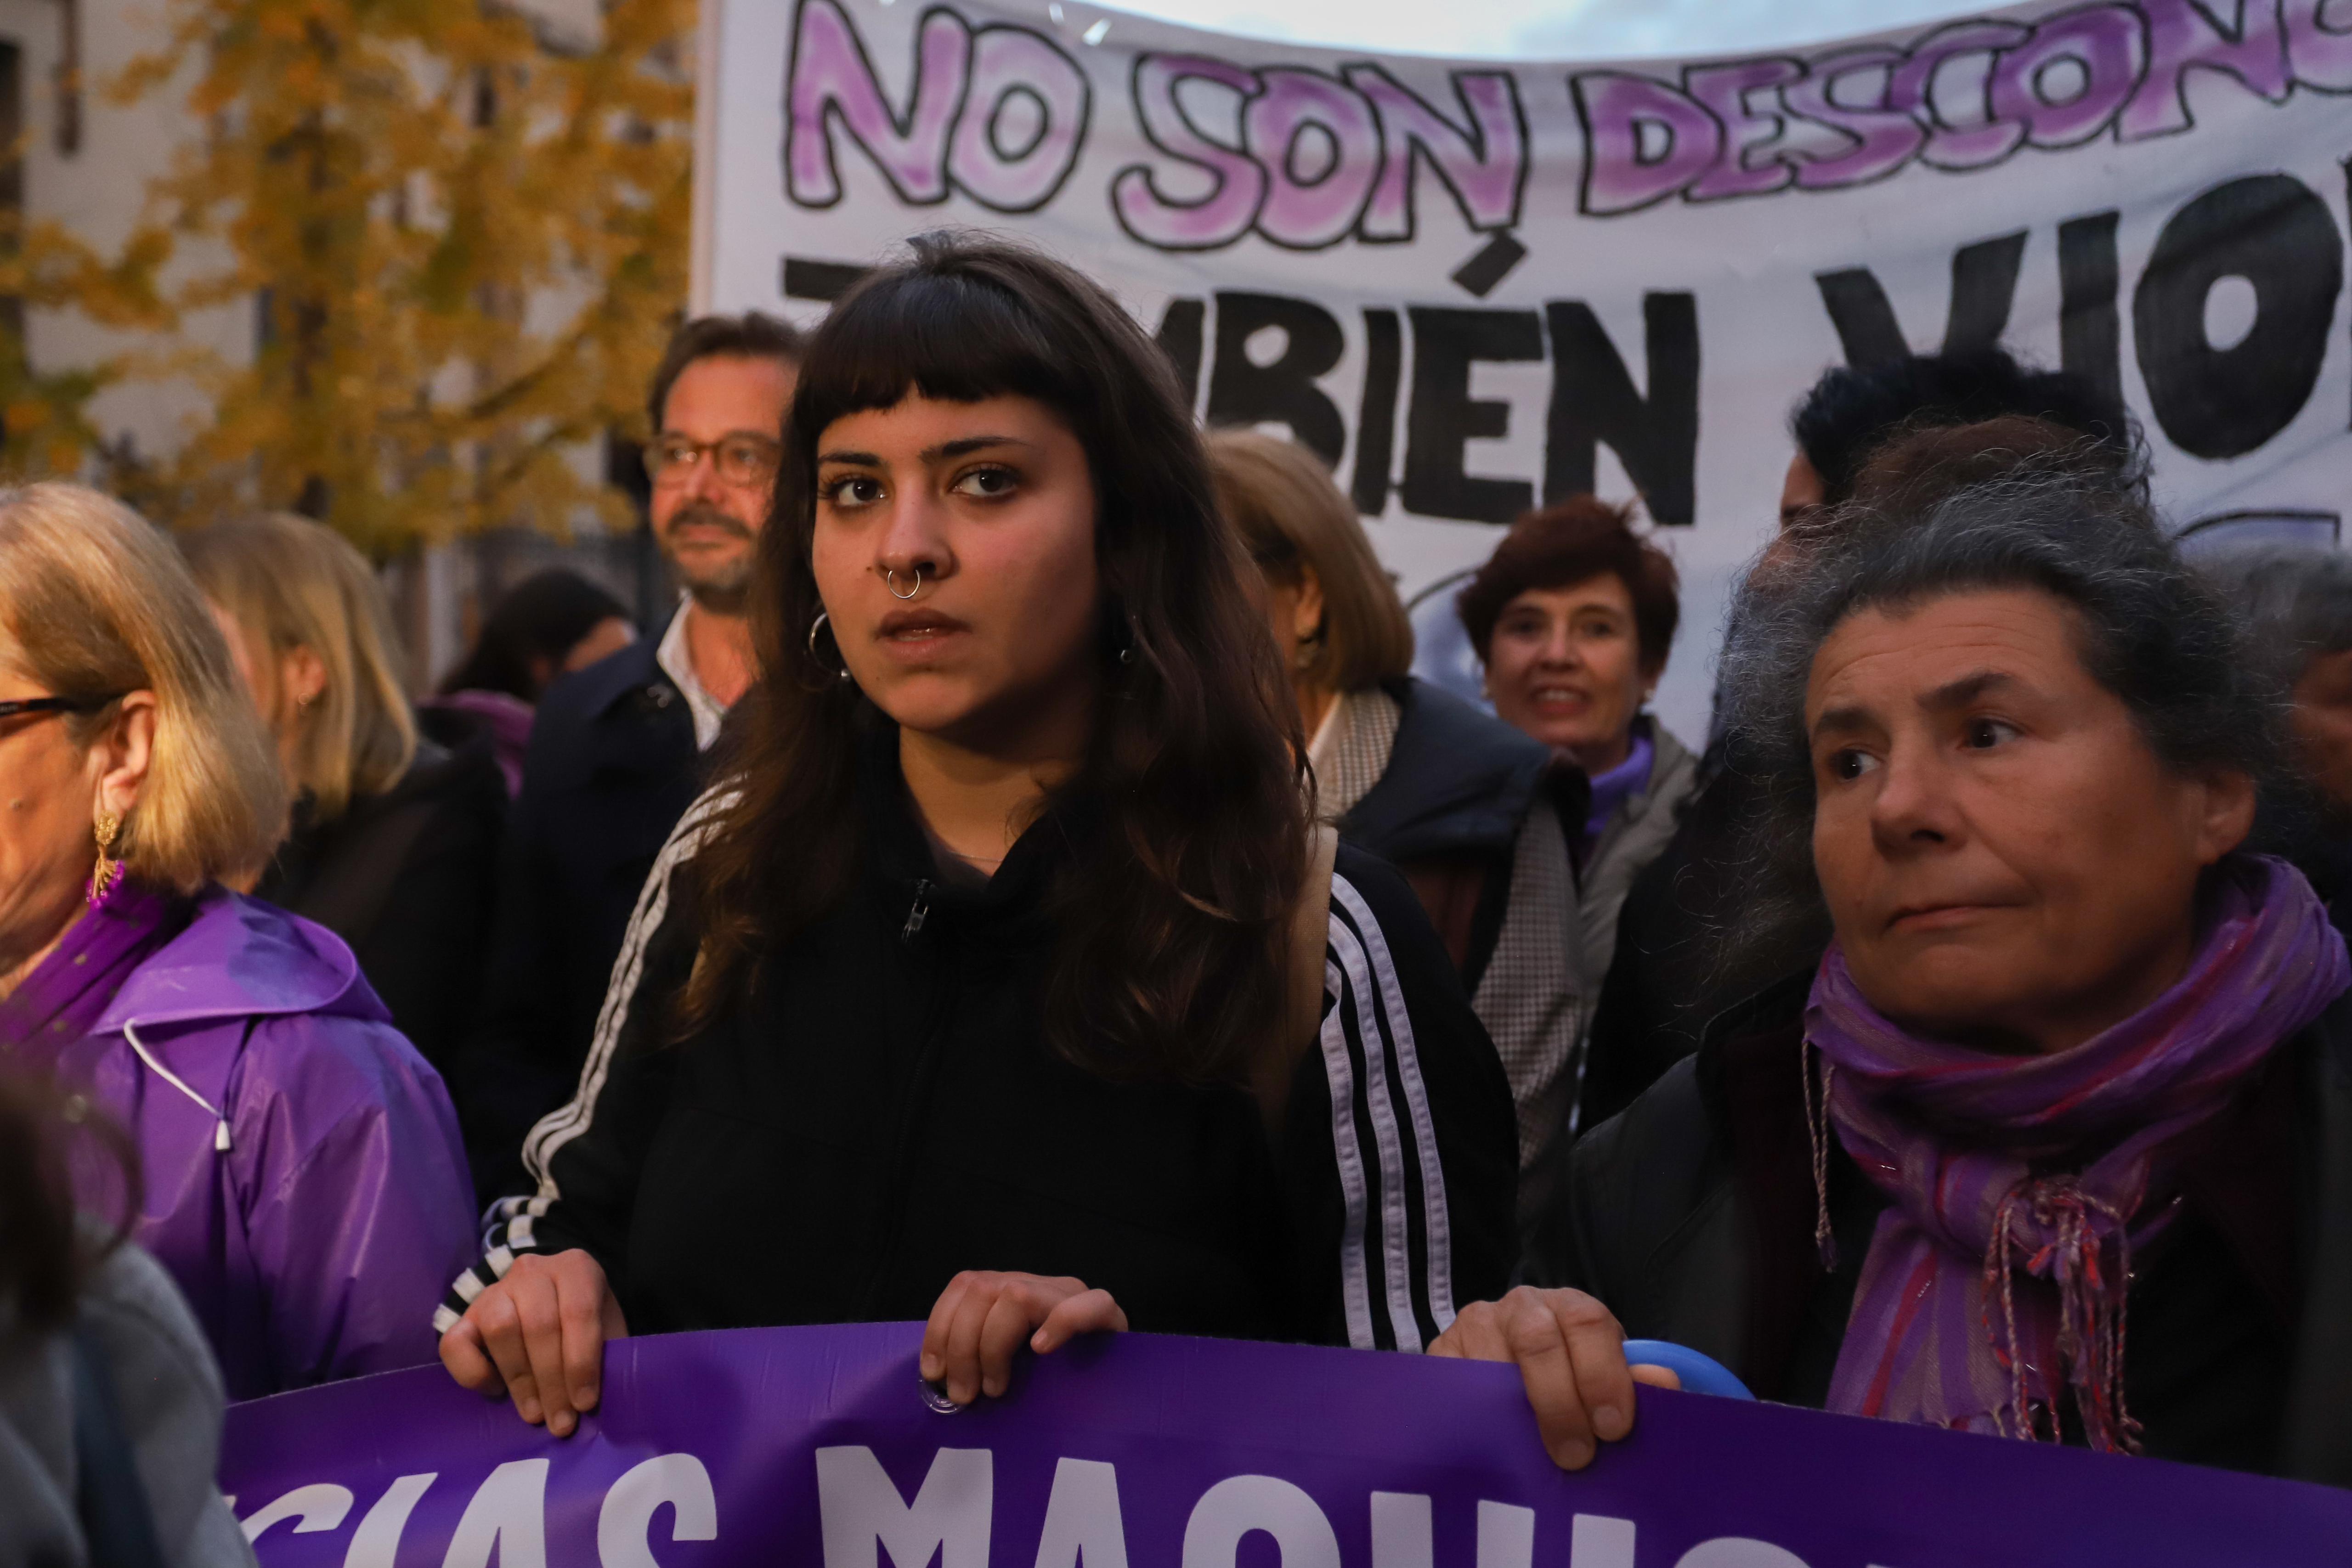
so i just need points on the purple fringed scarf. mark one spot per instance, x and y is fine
(2058, 1156)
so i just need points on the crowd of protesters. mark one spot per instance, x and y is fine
(1022, 888)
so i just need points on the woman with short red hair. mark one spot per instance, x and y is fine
(1572, 617)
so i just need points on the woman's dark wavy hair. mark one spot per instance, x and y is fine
(543, 617)
(46, 1253)
(2012, 504)
(1173, 916)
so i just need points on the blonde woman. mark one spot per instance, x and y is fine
(1466, 806)
(392, 843)
(303, 1181)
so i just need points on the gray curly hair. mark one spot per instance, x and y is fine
(2296, 602)
(2065, 522)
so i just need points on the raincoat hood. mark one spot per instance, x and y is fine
(241, 959)
(302, 1177)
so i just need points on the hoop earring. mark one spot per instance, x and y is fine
(108, 873)
(890, 582)
(814, 627)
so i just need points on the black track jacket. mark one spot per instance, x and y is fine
(882, 1112)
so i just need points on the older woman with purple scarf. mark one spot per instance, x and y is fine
(302, 1179)
(2055, 1144)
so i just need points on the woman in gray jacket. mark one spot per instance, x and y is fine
(109, 1403)
(1572, 617)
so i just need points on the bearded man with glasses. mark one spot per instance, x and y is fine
(617, 749)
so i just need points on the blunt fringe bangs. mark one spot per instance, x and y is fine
(949, 337)
(2065, 521)
(1173, 916)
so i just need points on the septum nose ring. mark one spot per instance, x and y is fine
(890, 582)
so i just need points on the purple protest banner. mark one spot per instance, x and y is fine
(814, 1446)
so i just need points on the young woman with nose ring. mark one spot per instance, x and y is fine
(1002, 980)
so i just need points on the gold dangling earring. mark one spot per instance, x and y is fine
(108, 872)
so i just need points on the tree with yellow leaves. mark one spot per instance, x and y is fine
(466, 237)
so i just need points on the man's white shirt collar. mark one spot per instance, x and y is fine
(676, 660)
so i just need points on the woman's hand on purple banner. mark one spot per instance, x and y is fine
(1570, 1353)
(538, 1336)
(982, 1319)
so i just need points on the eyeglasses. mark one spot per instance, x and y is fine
(55, 705)
(740, 457)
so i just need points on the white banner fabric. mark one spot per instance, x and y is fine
(1473, 286)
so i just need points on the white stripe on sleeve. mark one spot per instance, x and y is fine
(1438, 1236)
(1339, 1071)
(559, 1127)
(1395, 1224)
(508, 1226)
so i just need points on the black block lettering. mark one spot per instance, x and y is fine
(1593, 400)
(1180, 340)
(2274, 232)
(1376, 422)
(1285, 392)
(1984, 288)
(2090, 330)
(1866, 328)
(1444, 416)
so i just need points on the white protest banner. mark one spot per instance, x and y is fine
(1475, 285)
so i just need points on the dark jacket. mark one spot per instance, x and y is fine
(612, 766)
(1690, 1216)
(1447, 813)
(2324, 855)
(883, 1112)
(1668, 979)
(407, 878)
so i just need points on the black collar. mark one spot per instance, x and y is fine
(902, 853)
(623, 673)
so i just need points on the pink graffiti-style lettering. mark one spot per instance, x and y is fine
(2184, 36)
(1009, 66)
(1882, 139)
(1644, 141)
(2319, 55)
(1225, 214)
(1484, 165)
(1963, 96)
(1971, 143)
(832, 81)
(1319, 144)
(2104, 44)
(1724, 91)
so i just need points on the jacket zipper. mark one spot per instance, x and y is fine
(946, 977)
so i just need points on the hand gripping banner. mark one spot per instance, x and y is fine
(1473, 286)
(814, 1446)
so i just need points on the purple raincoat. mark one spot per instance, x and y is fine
(305, 1182)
